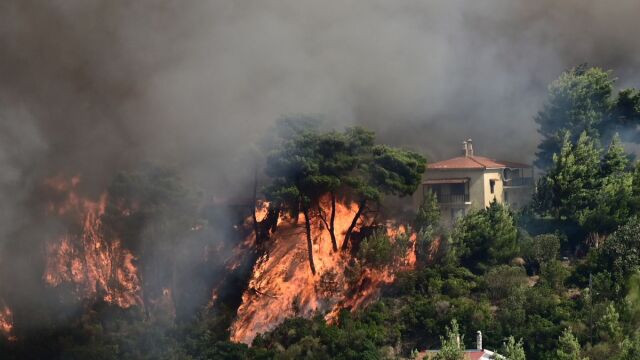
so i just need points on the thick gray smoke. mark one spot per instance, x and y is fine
(90, 87)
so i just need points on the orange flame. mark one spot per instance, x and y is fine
(85, 258)
(6, 323)
(282, 284)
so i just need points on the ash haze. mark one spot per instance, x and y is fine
(92, 87)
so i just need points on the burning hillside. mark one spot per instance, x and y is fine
(83, 256)
(282, 284)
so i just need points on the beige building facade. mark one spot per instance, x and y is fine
(470, 182)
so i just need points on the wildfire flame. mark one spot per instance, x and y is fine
(95, 266)
(239, 253)
(6, 323)
(282, 284)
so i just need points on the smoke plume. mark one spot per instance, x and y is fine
(92, 87)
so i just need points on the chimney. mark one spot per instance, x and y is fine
(479, 340)
(465, 149)
(469, 148)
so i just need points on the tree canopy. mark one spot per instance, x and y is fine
(487, 237)
(588, 186)
(581, 100)
(310, 163)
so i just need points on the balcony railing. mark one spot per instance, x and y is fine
(453, 198)
(519, 181)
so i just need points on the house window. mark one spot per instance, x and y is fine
(457, 189)
(492, 185)
(448, 191)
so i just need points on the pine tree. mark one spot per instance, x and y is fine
(612, 202)
(512, 349)
(587, 157)
(428, 213)
(381, 170)
(608, 325)
(612, 205)
(573, 180)
(451, 348)
(580, 100)
(615, 160)
(486, 237)
(619, 254)
(568, 346)
(310, 164)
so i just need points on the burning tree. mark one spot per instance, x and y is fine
(97, 266)
(322, 183)
(122, 248)
(310, 164)
(159, 214)
(382, 170)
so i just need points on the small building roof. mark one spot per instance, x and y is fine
(474, 162)
(469, 354)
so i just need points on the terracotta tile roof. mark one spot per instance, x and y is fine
(476, 355)
(469, 354)
(474, 162)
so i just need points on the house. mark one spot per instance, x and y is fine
(471, 354)
(470, 182)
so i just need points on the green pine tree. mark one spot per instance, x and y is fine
(486, 237)
(568, 346)
(451, 348)
(512, 349)
(428, 213)
(615, 160)
(571, 183)
(580, 100)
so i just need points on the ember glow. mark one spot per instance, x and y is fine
(82, 256)
(6, 323)
(283, 286)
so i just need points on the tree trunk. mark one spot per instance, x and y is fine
(347, 236)
(273, 214)
(330, 225)
(332, 222)
(307, 224)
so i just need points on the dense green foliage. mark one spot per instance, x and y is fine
(620, 255)
(513, 350)
(587, 186)
(582, 100)
(568, 347)
(486, 237)
(451, 348)
(428, 213)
